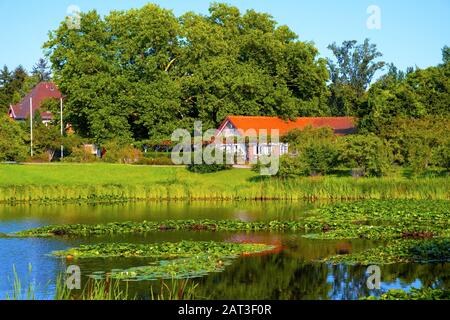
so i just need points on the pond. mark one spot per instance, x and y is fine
(292, 273)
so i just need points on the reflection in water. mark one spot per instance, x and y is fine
(290, 272)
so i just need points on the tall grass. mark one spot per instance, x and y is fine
(19, 291)
(65, 183)
(177, 290)
(103, 290)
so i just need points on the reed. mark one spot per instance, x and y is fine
(176, 290)
(109, 183)
(19, 291)
(103, 290)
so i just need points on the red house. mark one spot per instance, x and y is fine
(242, 126)
(43, 91)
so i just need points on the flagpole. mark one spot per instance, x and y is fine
(31, 126)
(62, 128)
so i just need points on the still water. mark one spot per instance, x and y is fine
(292, 273)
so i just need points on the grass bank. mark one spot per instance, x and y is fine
(105, 182)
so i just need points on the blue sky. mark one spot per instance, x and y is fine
(412, 31)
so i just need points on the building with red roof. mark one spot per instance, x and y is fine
(43, 91)
(242, 125)
(248, 126)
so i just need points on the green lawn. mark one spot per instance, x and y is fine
(81, 182)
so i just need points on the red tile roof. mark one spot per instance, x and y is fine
(340, 125)
(42, 91)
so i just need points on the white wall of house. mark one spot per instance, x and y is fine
(248, 151)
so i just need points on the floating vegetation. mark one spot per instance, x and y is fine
(163, 250)
(400, 251)
(375, 219)
(183, 268)
(414, 294)
(189, 259)
(150, 226)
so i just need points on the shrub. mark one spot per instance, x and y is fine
(291, 167)
(159, 161)
(314, 152)
(208, 168)
(80, 154)
(12, 141)
(319, 158)
(119, 153)
(368, 153)
(419, 143)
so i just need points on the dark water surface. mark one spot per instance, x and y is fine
(290, 274)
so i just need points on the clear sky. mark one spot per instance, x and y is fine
(412, 32)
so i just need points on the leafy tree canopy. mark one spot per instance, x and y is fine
(141, 73)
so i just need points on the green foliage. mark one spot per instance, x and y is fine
(70, 183)
(351, 74)
(208, 168)
(422, 92)
(14, 85)
(402, 251)
(148, 226)
(47, 139)
(414, 294)
(377, 220)
(320, 158)
(79, 154)
(164, 250)
(188, 259)
(419, 143)
(313, 152)
(363, 219)
(12, 141)
(158, 161)
(204, 167)
(139, 74)
(291, 167)
(41, 70)
(117, 152)
(182, 268)
(368, 153)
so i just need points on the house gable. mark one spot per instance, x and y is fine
(43, 91)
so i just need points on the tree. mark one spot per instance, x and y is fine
(12, 141)
(368, 153)
(417, 94)
(14, 85)
(418, 143)
(47, 139)
(351, 73)
(446, 54)
(41, 70)
(140, 74)
(313, 151)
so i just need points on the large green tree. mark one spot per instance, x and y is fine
(141, 73)
(416, 93)
(351, 71)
